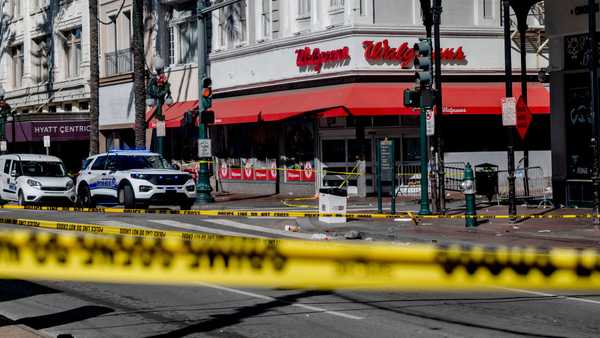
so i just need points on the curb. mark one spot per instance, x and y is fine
(21, 331)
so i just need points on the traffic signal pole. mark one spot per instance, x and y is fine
(512, 206)
(439, 110)
(595, 107)
(426, 100)
(203, 188)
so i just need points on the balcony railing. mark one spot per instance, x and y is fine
(119, 62)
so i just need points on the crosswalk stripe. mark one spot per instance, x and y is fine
(188, 226)
(243, 226)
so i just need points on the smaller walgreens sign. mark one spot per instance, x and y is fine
(316, 59)
(404, 55)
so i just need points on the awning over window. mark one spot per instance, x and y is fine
(358, 99)
(486, 98)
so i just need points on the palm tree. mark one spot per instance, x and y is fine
(139, 72)
(94, 78)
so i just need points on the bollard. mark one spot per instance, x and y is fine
(469, 191)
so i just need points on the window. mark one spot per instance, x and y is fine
(72, 49)
(7, 164)
(39, 59)
(171, 44)
(488, 11)
(16, 8)
(126, 24)
(222, 28)
(99, 163)
(303, 8)
(188, 42)
(18, 66)
(336, 4)
(266, 18)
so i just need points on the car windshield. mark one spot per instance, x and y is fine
(41, 169)
(142, 162)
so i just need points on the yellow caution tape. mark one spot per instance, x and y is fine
(295, 214)
(253, 262)
(105, 230)
(214, 213)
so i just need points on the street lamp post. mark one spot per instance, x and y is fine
(159, 93)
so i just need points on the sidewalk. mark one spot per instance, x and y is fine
(554, 232)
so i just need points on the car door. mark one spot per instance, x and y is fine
(7, 193)
(97, 177)
(110, 179)
(10, 189)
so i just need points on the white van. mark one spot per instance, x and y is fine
(32, 178)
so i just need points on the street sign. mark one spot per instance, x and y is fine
(160, 129)
(509, 111)
(430, 118)
(3, 146)
(204, 148)
(387, 160)
(524, 118)
(46, 141)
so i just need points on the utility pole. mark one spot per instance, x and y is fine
(512, 206)
(139, 74)
(94, 78)
(593, 49)
(437, 20)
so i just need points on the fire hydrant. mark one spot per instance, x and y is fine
(468, 186)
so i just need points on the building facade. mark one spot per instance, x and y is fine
(310, 84)
(572, 154)
(316, 84)
(44, 69)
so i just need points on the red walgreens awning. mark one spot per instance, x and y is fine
(358, 99)
(485, 98)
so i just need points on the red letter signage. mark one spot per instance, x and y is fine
(404, 55)
(316, 58)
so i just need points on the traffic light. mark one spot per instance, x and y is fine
(206, 116)
(412, 98)
(206, 100)
(423, 63)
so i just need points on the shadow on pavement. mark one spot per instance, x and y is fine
(64, 317)
(444, 320)
(17, 289)
(222, 321)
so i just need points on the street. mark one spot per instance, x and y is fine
(114, 310)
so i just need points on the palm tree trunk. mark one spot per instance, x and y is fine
(94, 78)
(139, 74)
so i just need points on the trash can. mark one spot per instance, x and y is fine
(486, 180)
(333, 200)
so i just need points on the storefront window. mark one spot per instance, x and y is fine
(334, 151)
(410, 150)
(386, 121)
(299, 139)
(355, 150)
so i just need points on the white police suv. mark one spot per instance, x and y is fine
(32, 178)
(133, 178)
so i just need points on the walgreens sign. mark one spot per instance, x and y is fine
(316, 58)
(404, 55)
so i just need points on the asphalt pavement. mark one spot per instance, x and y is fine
(53, 308)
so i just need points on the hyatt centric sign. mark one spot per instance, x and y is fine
(57, 130)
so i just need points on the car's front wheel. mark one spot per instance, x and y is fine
(84, 197)
(128, 197)
(21, 199)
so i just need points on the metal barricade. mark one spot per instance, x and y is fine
(453, 176)
(539, 186)
(408, 182)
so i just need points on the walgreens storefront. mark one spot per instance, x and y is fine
(285, 113)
